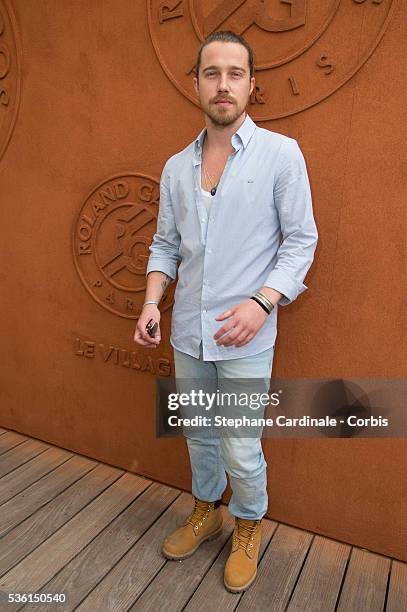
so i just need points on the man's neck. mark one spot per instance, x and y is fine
(218, 137)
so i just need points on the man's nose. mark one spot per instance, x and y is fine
(223, 83)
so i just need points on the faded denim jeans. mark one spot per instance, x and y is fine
(240, 457)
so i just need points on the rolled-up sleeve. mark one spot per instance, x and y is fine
(164, 249)
(293, 201)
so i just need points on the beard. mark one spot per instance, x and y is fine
(221, 115)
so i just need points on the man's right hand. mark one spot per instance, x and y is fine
(150, 311)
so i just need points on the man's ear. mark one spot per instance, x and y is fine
(253, 83)
(196, 86)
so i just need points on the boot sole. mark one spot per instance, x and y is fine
(241, 588)
(210, 536)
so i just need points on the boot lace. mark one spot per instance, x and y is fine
(199, 514)
(245, 533)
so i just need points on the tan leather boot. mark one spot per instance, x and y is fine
(241, 566)
(204, 523)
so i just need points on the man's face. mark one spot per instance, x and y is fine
(224, 74)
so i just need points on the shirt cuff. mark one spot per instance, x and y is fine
(158, 264)
(281, 281)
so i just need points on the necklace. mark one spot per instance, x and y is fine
(208, 176)
(209, 179)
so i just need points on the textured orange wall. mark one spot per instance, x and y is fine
(95, 98)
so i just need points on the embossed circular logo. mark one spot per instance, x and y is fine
(304, 51)
(10, 77)
(111, 239)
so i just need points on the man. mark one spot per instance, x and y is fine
(226, 201)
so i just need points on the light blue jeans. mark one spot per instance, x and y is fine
(242, 458)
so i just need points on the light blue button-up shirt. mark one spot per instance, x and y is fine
(260, 232)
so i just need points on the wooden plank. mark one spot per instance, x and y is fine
(397, 595)
(82, 574)
(321, 577)
(20, 454)
(35, 570)
(42, 491)
(2, 431)
(278, 571)
(9, 440)
(31, 532)
(211, 593)
(29, 473)
(364, 588)
(177, 580)
(133, 573)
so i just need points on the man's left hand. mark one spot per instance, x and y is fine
(245, 320)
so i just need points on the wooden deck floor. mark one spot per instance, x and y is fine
(72, 525)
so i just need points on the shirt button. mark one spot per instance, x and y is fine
(203, 219)
(204, 310)
(209, 250)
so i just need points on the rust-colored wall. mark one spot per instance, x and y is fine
(95, 97)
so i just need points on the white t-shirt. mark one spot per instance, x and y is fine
(207, 199)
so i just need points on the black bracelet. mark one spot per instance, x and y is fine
(260, 304)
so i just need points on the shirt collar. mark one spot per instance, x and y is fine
(243, 134)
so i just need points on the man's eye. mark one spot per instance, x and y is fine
(236, 74)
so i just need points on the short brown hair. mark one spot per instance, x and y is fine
(225, 36)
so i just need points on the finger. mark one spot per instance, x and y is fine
(242, 338)
(224, 329)
(246, 340)
(157, 336)
(147, 339)
(221, 332)
(224, 315)
(140, 340)
(230, 338)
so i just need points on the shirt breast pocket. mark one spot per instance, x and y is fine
(255, 197)
(244, 189)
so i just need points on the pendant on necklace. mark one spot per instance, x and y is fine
(213, 191)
